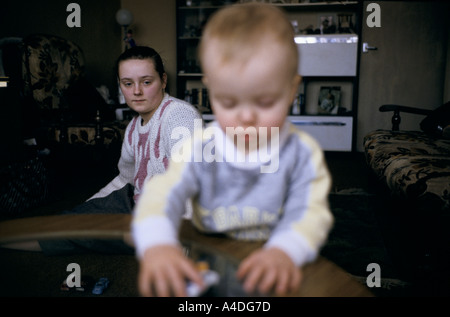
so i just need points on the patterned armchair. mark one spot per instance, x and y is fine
(49, 101)
(69, 109)
(52, 64)
(413, 169)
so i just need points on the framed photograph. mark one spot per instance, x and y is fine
(345, 23)
(327, 23)
(329, 100)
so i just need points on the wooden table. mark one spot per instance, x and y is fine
(321, 278)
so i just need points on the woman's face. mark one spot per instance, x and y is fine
(141, 86)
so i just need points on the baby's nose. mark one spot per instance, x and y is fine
(247, 114)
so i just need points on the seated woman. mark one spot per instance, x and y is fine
(146, 147)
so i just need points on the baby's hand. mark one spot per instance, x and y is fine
(269, 269)
(163, 272)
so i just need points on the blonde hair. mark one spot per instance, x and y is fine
(240, 29)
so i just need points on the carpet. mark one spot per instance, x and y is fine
(355, 241)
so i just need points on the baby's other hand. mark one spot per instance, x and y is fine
(267, 270)
(163, 271)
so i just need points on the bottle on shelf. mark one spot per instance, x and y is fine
(198, 98)
(298, 106)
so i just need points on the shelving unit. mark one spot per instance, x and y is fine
(336, 130)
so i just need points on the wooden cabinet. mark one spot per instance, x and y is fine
(328, 37)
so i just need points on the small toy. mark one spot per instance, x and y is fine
(129, 41)
(100, 286)
(210, 278)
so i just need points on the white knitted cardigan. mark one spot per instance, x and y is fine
(146, 148)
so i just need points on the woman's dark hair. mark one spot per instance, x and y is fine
(142, 52)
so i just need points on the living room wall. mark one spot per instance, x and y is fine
(99, 35)
(154, 25)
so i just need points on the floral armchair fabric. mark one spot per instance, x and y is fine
(69, 108)
(52, 64)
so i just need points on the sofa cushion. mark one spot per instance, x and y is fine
(411, 164)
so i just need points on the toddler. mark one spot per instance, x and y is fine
(249, 61)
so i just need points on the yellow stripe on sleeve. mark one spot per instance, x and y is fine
(318, 219)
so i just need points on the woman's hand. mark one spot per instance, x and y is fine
(267, 270)
(164, 270)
